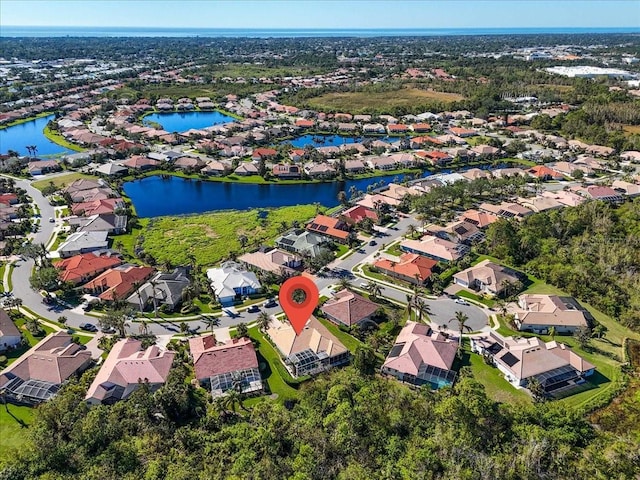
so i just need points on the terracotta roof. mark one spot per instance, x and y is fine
(118, 282)
(328, 226)
(349, 308)
(410, 265)
(210, 359)
(108, 205)
(479, 219)
(359, 213)
(78, 267)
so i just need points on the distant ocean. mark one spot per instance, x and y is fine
(16, 31)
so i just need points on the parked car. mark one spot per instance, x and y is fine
(89, 327)
(108, 330)
(270, 303)
(460, 301)
(372, 243)
(253, 309)
(52, 220)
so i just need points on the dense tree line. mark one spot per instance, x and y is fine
(591, 251)
(345, 425)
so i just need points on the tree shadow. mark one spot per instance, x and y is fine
(21, 422)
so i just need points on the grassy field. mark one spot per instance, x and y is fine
(211, 237)
(55, 137)
(359, 101)
(234, 70)
(60, 181)
(12, 432)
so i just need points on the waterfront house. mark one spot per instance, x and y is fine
(225, 366)
(98, 207)
(246, 169)
(320, 170)
(421, 357)
(127, 366)
(140, 162)
(381, 163)
(354, 166)
(314, 351)
(286, 171)
(357, 213)
(107, 222)
(43, 166)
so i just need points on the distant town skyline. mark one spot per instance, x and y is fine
(303, 14)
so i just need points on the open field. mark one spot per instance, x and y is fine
(55, 137)
(211, 237)
(235, 70)
(60, 180)
(214, 91)
(358, 101)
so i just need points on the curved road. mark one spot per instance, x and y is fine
(442, 309)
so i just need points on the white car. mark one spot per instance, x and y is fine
(460, 301)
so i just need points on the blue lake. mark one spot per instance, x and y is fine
(29, 133)
(183, 121)
(333, 140)
(157, 196)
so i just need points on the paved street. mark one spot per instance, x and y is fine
(442, 309)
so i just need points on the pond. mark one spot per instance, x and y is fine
(29, 133)
(157, 196)
(183, 121)
(334, 140)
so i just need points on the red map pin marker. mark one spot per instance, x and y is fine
(298, 313)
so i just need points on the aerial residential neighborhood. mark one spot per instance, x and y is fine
(465, 202)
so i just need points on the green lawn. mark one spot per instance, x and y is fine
(128, 240)
(211, 237)
(351, 342)
(394, 249)
(494, 383)
(3, 266)
(275, 373)
(56, 137)
(342, 249)
(9, 279)
(61, 180)
(13, 434)
(366, 269)
(472, 296)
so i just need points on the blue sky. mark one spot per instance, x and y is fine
(322, 13)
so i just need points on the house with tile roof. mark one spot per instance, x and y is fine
(410, 267)
(140, 162)
(545, 173)
(422, 357)
(98, 207)
(436, 248)
(106, 222)
(330, 227)
(554, 365)
(600, 192)
(314, 351)
(538, 313)
(486, 277)
(479, 219)
(358, 213)
(128, 366)
(349, 309)
(10, 336)
(231, 282)
(506, 210)
(272, 260)
(118, 282)
(285, 170)
(263, 154)
(81, 268)
(220, 367)
(459, 232)
(246, 169)
(83, 242)
(40, 372)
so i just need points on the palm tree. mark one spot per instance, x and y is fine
(264, 321)
(411, 299)
(154, 284)
(243, 240)
(210, 321)
(143, 328)
(462, 319)
(374, 290)
(411, 230)
(344, 283)
(552, 332)
(137, 286)
(422, 308)
(184, 327)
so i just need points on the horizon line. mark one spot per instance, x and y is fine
(327, 28)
